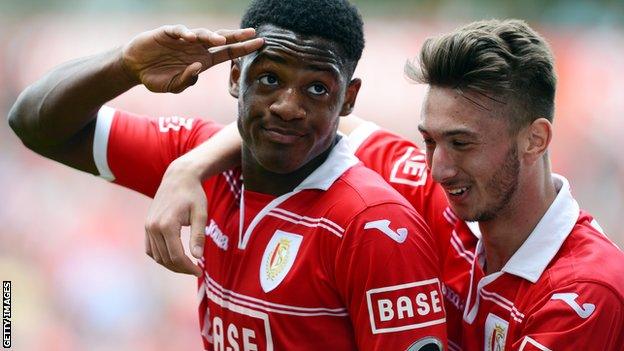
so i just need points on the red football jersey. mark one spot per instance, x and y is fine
(342, 262)
(563, 290)
(403, 165)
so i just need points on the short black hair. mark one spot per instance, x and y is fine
(335, 20)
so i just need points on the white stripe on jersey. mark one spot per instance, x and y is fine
(307, 221)
(504, 303)
(103, 125)
(459, 247)
(266, 306)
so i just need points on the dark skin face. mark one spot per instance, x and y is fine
(290, 96)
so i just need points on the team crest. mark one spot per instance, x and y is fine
(495, 333)
(278, 258)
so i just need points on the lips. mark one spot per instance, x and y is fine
(457, 191)
(282, 135)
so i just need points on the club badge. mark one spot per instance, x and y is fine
(278, 258)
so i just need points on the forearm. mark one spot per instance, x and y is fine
(217, 154)
(56, 107)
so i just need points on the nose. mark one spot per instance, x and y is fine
(441, 164)
(288, 105)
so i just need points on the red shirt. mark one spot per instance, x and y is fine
(403, 165)
(562, 290)
(328, 266)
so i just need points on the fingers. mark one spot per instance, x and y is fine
(209, 37)
(188, 77)
(165, 247)
(236, 35)
(179, 262)
(232, 51)
(198, 231)
(179, 31)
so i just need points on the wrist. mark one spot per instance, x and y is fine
(187, 166)
(122, 69)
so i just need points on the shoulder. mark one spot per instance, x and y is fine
(362, 200)
(367, 188)
(360, 190)
(588, 255)
(587, 264)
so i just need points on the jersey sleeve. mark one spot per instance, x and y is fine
(387, 272)
(583, 316)
(403, 165)
(134, 151)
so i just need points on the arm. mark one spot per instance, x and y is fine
(55, 116)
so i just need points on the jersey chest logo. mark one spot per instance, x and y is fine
(570, 298)
(278, 258)
(495, 333)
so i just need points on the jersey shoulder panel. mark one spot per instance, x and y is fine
(587, 255)
(138, 149)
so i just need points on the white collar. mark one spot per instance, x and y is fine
(339, 160)
(532, 258)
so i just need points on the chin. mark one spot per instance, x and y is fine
(280, 166)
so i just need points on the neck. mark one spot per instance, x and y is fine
(503, 235)
(259, 179)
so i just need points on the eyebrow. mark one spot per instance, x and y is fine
(266, 56)
(452, 132)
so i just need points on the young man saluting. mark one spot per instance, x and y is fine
(307, 249)
(525, 269)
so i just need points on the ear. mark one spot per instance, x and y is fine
(537, 139)
(350, 96)
(235, 72)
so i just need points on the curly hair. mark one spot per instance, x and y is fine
(334, 20)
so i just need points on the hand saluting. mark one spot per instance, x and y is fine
(169, 58)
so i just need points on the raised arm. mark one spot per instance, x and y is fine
(55, 116)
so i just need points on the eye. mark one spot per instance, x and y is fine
(317, 89)
(429, 142)
(268, 79)
(459, 144)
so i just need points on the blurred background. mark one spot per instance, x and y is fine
(73, 245)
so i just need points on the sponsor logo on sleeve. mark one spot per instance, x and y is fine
(405, 306)
(495, 333)
(570, 298)
(174, 123)
(384, 226)
(278, 258)
(410, 169)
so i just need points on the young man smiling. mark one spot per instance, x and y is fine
(526, 269)
(307, 249)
